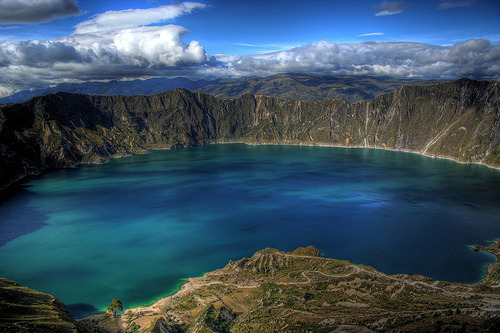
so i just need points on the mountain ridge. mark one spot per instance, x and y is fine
(289, 86)
(310, 88)
(458, 120)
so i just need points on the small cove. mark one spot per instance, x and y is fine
(135, 227)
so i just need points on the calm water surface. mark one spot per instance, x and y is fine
(134, 228)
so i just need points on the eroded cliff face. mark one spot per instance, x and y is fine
(459, 120)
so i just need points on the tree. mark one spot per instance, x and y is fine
(115, 307)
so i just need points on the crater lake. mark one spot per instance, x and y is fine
(137, 227)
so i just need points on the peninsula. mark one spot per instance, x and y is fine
(275, 291)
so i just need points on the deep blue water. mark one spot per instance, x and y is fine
(133, 228)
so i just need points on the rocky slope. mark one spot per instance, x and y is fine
(300, 291)
(459, 120)
(26, 310)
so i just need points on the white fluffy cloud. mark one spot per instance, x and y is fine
(35, 11)
(475, 58)
(136, 52)
(158, 46)
(143, 47)
(130, 18)
(159, 51)
(113, 45)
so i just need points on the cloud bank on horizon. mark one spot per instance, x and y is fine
(136, 43)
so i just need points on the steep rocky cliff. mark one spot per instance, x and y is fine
(459, 120)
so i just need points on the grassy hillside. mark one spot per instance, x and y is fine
(26, 310)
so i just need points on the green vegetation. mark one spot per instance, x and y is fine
(115, 307)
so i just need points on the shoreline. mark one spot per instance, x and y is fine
(319, 144)
(493, 249)
(441, 157)
(192, 284)
(172, 292)
(189, 284)
(21, 179)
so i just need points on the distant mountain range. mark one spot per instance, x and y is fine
(304, 87)
(111, 88)
(459, 120)
(310, 88)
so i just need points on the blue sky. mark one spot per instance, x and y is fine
(45, 42)
(245, 27)
(277, 25)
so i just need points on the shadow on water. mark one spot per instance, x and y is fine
(17, 218)
(82, 310)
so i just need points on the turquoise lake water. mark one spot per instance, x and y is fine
(135, 227)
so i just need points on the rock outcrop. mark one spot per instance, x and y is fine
(26, 310)
(458, 120)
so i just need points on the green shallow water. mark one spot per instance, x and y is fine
(135, 227)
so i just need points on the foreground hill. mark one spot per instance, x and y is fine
(304, 87)
(276, 291)
(300, 291)
(459, 120)
(26, 310)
